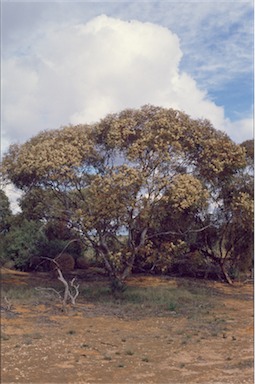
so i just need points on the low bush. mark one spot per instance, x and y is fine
(82, 263)
(194, 264)
(64, 261)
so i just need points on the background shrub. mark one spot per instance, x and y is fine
(65, 262)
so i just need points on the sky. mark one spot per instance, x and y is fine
(68, 62)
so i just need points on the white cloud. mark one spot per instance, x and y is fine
(77, 73)
(216, 37)
(19, 87)
(240, 130)
(14, 195)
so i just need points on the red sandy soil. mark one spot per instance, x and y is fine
(108, 344)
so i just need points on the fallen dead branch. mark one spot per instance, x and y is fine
(71, 288)
(68, 294)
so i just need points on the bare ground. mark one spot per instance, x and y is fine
(116, 343)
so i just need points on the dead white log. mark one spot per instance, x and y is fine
(68, 294)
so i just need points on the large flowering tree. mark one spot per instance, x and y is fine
(111, 181)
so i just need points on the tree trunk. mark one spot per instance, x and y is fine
(225, 274)
(219, 262)
(127, 271)
(108, 266)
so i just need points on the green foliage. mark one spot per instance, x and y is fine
(23, 242)
(27, 242)
(5, 213)
(171, 307)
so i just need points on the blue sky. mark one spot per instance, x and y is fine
(73, 62)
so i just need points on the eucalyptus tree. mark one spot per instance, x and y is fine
(111, 179)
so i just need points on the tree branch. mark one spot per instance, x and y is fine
(179, 233)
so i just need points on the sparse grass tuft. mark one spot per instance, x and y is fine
(71, 332)
(4, 337)
(171, 307)
(107, 357)
(20, 292)
(247, 363)
(28, 340)
(129, 352)
(33, 335)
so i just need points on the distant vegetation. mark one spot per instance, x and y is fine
(148, 190)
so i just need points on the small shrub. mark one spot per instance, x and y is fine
(71, 332)
(28, 340)
(10, 264)
(107, 357)
(4, 337)
(82, 263)
(38, 264)
(171, 307)
(129, 352)
(23, 241)
(37, 336)
(85, 345)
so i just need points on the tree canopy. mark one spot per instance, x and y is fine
(134, 176)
